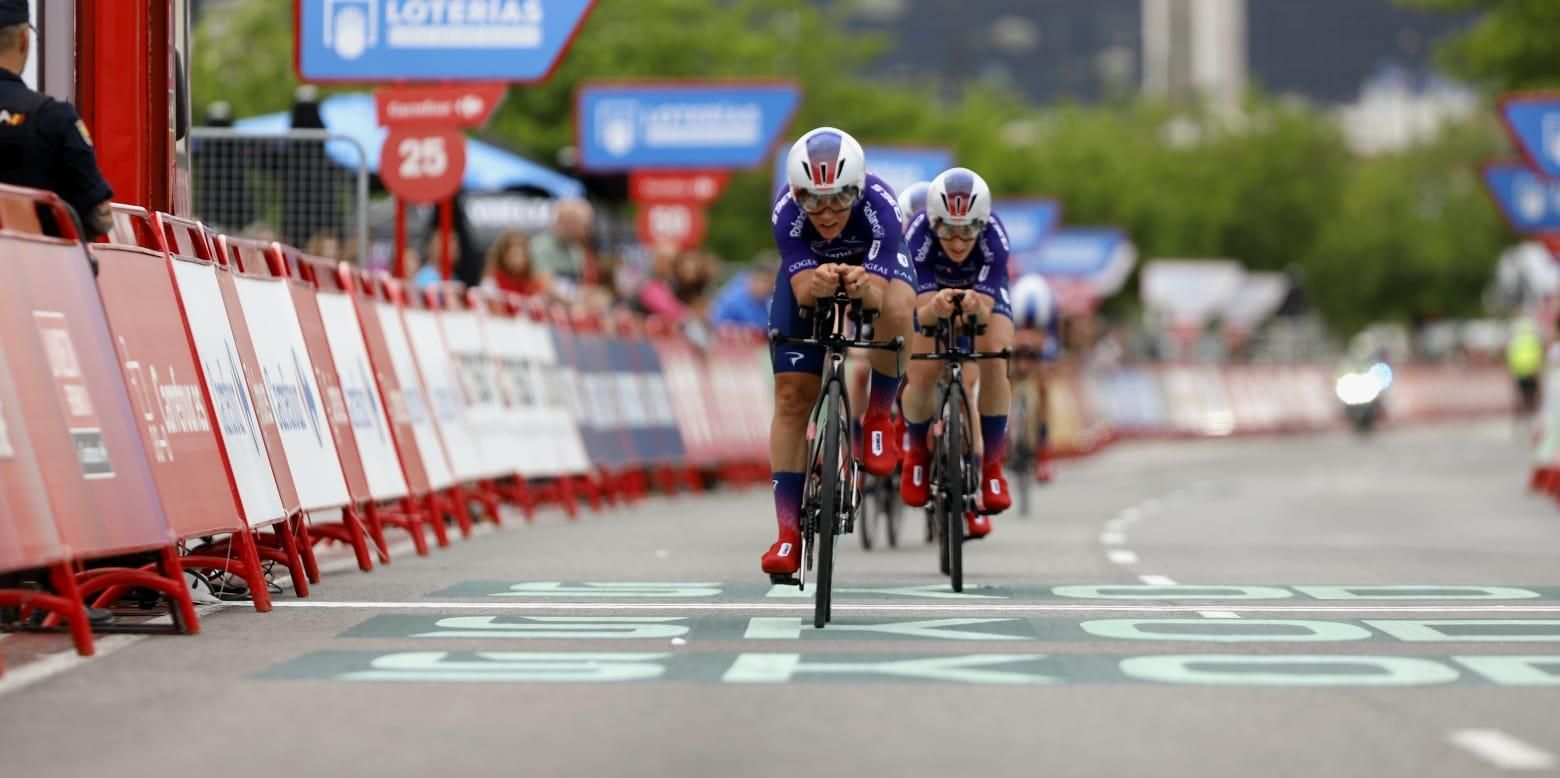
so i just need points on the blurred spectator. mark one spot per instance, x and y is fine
(563, 251)
(655, 293)
(220, 169)
(693, 272)
(324, 244)
(509, 266)
(744, 300)
(311, 183)
(430, 274)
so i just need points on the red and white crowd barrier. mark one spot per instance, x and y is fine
(266, 400)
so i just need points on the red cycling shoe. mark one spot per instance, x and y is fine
(976, 526)
(1043, 470)
(784, 557)
(880, 443)
(994, 495)
(915, 479)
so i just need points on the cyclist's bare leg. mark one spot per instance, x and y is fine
(795, 395)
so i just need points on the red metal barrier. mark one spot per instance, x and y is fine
(55, 344)
(193, 249)
(181, 429)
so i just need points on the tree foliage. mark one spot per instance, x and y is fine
(1275, 186)
(1513, 45)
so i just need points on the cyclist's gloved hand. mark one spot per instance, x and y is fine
(825, 279)
(942, 303)
(855, 278)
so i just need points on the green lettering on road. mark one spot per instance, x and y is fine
(510, 667)
(1417, 592)
(1515, 670)
(1469, 630)
(1177, 592)
(1316, 670)
(974, 669)
(1226, 631)
(792, 628)
(607, 589)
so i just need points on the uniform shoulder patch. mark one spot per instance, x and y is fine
(86, 135)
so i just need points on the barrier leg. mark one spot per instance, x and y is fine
(488, 494)
(458, 501)
(75, 612)
(350, 531)
(376, 531)
(434, 513)
(305, 545)
(289, 553)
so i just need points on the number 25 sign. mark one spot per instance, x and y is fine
(424, 156)
(423, 166)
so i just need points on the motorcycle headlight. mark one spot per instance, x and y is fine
(1358, 388)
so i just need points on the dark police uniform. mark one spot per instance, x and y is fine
(43, 142)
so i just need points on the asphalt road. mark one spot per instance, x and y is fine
(1275, 607)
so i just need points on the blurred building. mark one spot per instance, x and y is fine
(1323, 50)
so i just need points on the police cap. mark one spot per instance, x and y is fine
(13, 12)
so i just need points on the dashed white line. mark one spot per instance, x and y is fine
(1157, 580)
(1113, 538)
(1122, 556)
(1501, 750)
(1129, 515)
(1219, 614)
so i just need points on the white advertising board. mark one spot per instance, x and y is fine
(365, 407)
(288, 374)
(224, 379)
(405, 367)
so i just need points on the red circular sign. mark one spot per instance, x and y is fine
(423, 166)
(683, 226)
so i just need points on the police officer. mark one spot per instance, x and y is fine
(43, 143)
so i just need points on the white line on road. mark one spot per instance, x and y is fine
(1129, 515)
(1113, 538)
(49, 665)
(1502, 750)
(1219, 614)
(1157, 580)
(806, 606)
(1122, 556)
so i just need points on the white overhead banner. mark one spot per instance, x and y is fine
(225, 385)
(1189, 292)
(429, 445)
(295, 395)
(365, 407)
(1258, 298)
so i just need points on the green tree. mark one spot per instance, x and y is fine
(1514, 44)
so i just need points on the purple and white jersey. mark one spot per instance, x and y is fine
(871, 237)
(985, 270)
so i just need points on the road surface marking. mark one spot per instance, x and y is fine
(1157, 580)
(1219, 614)
(1122, 556)
(1113, 538)
(963, 608)
(1501, 750)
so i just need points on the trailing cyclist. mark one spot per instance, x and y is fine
(911, 202)
(1037, 343)
(834, 223)
(958, 244)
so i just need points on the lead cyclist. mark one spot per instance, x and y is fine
(1037, 343)
(834, 223)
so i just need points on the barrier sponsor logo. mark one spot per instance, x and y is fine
(296, 407)
(683, 126)
(167, 407)
(85, 430)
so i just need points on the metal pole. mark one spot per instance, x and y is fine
(446, 236)
(398, 262)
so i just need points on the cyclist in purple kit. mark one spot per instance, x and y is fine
(960, 247)
(835, 224)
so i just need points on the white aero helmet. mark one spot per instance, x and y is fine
(826, 169)
(958, 198)
(913, 198)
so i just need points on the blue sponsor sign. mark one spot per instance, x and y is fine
(688, 125)
(1075, 253)
(1530, 202)
(1533, 121)
(434, 40)
(1028, 223)
(898, 166)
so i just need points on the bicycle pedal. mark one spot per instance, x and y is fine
(785, 580)
(987, 512)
